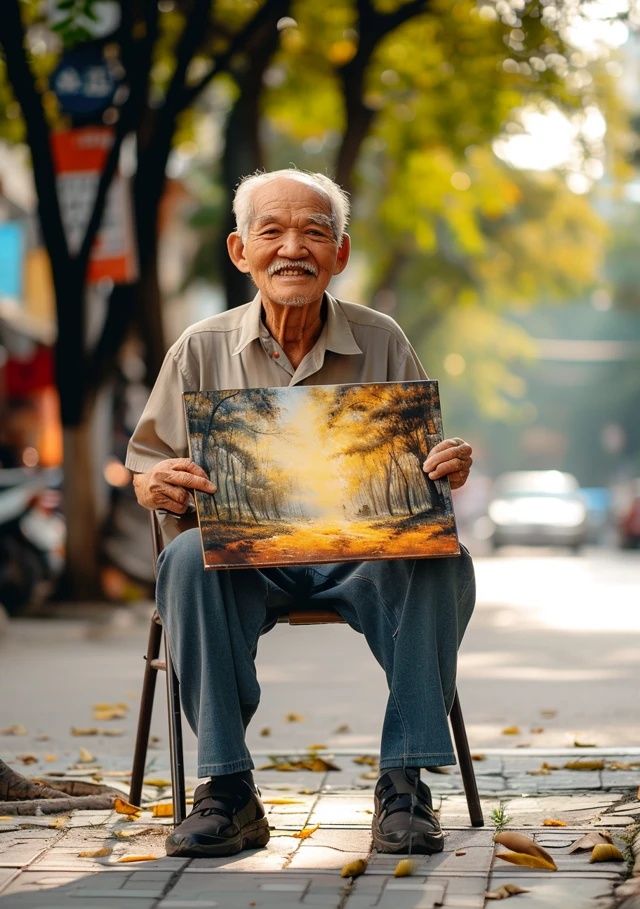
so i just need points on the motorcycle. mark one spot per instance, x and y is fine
(32, 536)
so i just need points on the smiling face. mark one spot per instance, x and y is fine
(291, 251)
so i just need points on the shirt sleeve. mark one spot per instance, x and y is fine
(161, 431)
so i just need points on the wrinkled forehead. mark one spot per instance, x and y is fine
(290, 196)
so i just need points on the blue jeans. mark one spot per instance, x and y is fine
(413, 614)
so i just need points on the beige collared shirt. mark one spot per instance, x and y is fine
(235, 350)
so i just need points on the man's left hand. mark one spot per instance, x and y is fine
(450, 458)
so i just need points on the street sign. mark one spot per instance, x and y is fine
(79, 157)
(85, 83)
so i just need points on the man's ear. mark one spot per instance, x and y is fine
(235, 248)
(344, 251)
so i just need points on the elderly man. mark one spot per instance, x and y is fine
(290, 237)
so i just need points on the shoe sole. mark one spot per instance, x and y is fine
(407, 843)
(253, 836)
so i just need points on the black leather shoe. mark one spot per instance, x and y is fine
(227, 817)
(404, 820)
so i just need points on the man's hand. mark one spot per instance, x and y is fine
(166, 485)
(450, 458)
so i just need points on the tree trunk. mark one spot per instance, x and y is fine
(81, 580)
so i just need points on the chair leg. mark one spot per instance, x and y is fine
(466, 764)
(175, 740)
(144, 716)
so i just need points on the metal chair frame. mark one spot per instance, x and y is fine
(154, 664)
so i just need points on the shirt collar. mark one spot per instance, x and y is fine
(339, 337)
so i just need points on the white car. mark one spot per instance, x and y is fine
(537, 508)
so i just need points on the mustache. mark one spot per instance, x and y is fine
(284, 264)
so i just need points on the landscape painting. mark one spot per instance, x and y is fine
(310, 474)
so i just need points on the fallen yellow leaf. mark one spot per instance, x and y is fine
(27, 758)
(504, 892)
(519, 843)
(95, 730)
(342, 729)
(50, 758)
(528, 861)
(536, 730)
(282, 801)
(137, 858)
(606, 852)
(15, 729)
(548, 714)
(133, 830)
(95, 853)
(294, 718)
(107, 712)
(369, 759)
(404, 868)
(354, 869)
(585, 764)
(162, 809)
(460, 852)
(265, 731)
(578, 744)
(478, 757)
(86, 757)
(123, 807)
(306, 832)
(511, 730)
(553, 822)
(157, 782)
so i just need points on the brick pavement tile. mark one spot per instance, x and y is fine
(254, 862)
(316, 858)
(21, 853)
(333, 810)
(346, 840)
(552, 893)
(6, 876)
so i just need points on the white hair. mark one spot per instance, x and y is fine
(243, 200)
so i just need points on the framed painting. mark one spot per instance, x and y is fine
(319, 473)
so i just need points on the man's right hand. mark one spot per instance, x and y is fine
(167, 484)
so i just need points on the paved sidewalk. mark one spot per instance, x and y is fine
(40, 865)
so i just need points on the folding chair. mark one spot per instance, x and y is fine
(155, 664)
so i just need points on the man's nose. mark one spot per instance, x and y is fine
(293, 244)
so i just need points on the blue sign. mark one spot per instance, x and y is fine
(84, 83)
(11, 256)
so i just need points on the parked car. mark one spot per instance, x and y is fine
(629, 520)
(537, 508)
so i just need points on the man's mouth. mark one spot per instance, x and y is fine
(293, 271)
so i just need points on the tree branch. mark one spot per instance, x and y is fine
(12, 39)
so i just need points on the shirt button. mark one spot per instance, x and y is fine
(276, 354)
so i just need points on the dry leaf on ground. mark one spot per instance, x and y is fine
(543, 770)
(585, 764)
(460, 852)
(354, 869)
(548, 714)
(342, 729)
(102, 712)
(157, 782)
(511, 730)
(27, 758)
(128, 833)
(95, 853)
(528, 861)
(522, 848)
(306, 832)
(161, 809)
(314, 763)
(591, 839)
(478, 757)
(137, 858)
(369, 759)
(265, 731)
(553, 822)
(95, 730)
(536, 730)
(606, 852)
(578, 744)
(124, 807)
(15, 729)
(404, 868)
(282, 801)
(294, 718)
(86, 757)
(504, 892)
